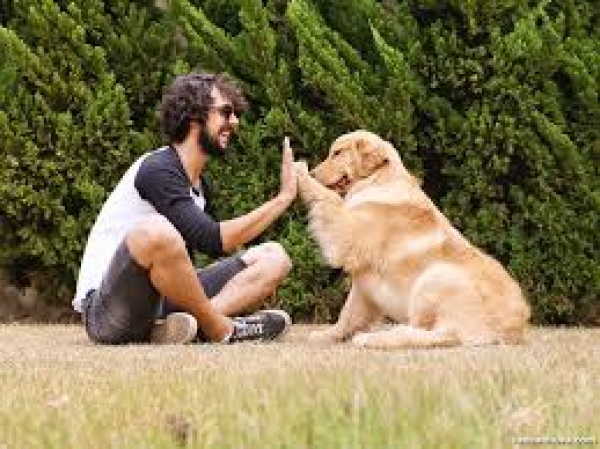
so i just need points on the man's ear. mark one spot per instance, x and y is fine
(372, 157)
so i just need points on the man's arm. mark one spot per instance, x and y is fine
(162, 182)
(241, 230)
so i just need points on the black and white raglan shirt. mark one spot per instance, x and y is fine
(156, 183)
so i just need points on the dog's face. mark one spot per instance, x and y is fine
(352, 157)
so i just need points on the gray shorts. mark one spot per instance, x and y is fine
(123, 309)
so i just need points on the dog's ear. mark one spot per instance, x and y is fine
(408, 176)
(372, 156)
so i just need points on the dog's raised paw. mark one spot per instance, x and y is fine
(301, 167)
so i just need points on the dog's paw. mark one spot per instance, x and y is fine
(301, 168)
(361, 340)
(325, 336)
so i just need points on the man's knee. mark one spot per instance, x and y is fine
(280, 257)
(154, 237)
(273, 255)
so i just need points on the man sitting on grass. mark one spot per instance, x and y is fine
(137, 282)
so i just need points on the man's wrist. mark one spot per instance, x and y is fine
(284, 199)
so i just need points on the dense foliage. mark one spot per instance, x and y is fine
(493, 104)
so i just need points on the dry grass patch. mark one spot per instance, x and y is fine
(60, 391)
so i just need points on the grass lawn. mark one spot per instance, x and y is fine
(57, 390)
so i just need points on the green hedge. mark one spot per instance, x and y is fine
(78, 87)
(493, 104)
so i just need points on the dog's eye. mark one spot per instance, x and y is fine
(336, 153)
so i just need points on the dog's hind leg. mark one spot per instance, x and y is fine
(406, 337)
(356, 315)
(445, 298)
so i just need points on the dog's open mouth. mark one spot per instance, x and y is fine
(341, 186)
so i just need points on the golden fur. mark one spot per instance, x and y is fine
(405, 260)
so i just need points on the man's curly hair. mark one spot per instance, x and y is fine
(189, 99)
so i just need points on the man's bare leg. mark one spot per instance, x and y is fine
(267, 266)
(156, 245)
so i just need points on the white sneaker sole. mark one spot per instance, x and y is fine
(176, 328)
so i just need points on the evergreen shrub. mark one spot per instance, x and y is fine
(494, 105)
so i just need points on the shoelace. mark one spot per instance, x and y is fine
(244, 330)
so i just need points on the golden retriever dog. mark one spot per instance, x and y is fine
(405, 260)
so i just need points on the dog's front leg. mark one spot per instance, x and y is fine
(330, 222)
(356, 315)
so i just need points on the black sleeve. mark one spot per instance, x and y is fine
(167, 188)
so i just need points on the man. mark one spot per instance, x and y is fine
(137, 266)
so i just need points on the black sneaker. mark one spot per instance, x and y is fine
(264, 325)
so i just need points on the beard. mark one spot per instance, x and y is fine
(212, 145)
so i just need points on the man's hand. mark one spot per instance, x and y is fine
(289, 181)
(241, 230)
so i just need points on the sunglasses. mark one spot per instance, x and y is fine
(226, 111)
